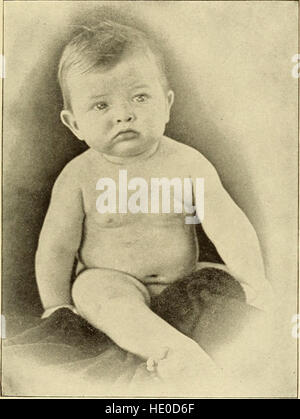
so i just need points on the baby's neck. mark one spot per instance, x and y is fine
(131, 159)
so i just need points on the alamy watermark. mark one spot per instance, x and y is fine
(2, 327)
(152, 197)
(296, 327)
(2, 66)
(295, 70)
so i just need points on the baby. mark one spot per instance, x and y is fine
(117, 99)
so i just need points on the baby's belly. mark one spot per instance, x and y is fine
(155, 249)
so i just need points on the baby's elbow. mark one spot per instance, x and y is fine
(56, 247)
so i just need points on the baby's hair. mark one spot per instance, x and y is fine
(102, 46)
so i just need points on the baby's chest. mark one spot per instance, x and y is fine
(119, 200)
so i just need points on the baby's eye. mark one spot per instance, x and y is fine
(141, 98)
(100, 106)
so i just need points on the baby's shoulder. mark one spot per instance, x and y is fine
(185, 155)
(75, 171)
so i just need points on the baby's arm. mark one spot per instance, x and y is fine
(234, 237)
(59, 241)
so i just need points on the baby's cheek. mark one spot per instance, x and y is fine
(98, 130)
(107, 125)
(159, 125)
(154, 122)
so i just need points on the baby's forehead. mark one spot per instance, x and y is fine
(129, 72)
(104, 46)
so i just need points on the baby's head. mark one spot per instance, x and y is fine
(115, 90)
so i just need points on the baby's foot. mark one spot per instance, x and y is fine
(152, 362)
(190, 365)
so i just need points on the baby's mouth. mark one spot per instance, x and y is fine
(127, 134)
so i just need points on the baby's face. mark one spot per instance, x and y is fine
(121, 111)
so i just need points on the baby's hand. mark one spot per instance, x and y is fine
(47, 313)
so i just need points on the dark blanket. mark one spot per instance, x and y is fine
(208, 306)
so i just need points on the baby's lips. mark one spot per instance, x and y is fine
(125, 134)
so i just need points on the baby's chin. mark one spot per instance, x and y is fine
(130, 148)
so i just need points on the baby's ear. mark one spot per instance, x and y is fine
(68, 119)
(170, 101)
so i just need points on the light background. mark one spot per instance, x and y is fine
(235, 101)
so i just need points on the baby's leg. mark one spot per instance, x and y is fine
(118, 304)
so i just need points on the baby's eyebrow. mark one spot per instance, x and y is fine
(97, 96)
(140, 86)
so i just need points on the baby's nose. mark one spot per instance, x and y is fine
(125, 114)
(127, 118)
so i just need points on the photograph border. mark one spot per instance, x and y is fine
(2, 35)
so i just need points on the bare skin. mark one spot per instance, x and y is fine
(125, 258)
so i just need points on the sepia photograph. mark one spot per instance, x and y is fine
(150, 199)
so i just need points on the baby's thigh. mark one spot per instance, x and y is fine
(94, 289)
